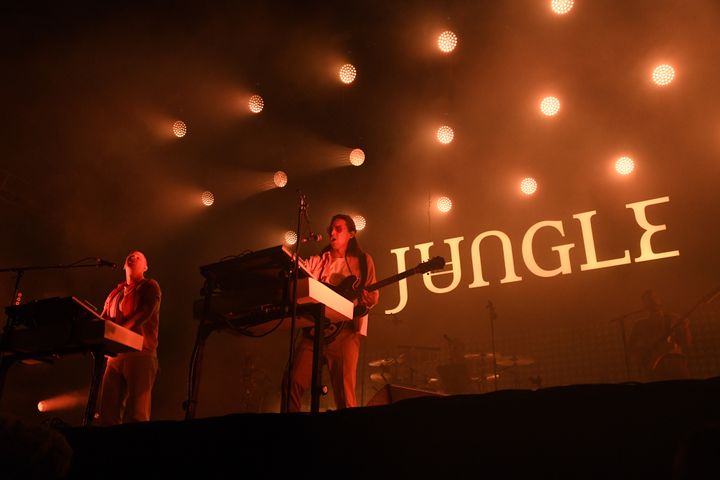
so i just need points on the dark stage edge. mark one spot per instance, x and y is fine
(580, 431)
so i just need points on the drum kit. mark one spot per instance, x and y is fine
(477, 372)
(500, 359)
(388, 369)
(405, 369)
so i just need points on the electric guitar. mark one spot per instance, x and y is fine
(347, 289)
(650, 352)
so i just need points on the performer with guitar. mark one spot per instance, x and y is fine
(657, 342)
(341, 259)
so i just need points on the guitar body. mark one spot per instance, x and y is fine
(671, 366)
(347, 289)
(657, 343)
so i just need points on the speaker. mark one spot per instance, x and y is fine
(393, 393)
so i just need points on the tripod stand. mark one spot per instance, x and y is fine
(493, 317)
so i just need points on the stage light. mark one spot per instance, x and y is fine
(447, 41)
(207, 198)
(663, 74)
(360, 222)
(624, 165)
(256, 103)
(561, 7)
(179, 128)
(445, 134)
(444, 204)
(63, 401)
(280, 178)
(528, 186)
(550, 106)
(357, 157)
(290, 237)
(347, 73)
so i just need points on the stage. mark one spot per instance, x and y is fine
(560, 156)
(632, 430)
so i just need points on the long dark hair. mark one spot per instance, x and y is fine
(353, 249)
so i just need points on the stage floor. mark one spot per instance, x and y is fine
(654, 430)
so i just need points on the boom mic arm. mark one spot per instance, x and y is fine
(105, 263)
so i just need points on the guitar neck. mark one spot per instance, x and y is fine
(389, 280)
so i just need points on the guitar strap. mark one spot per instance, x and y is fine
(363, 281)
(363, 270)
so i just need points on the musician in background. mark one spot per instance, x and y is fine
(658, 341)
(337, 261)
(129, 377)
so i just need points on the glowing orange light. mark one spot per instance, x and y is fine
(444, 204)
(445, 134)
(280, 178)
(447, 41)
(624, 165)
(360, 222)
(550, 106)
(207, 198)
(64, 401)
(179, 128)
(347, 73)
(290, 237)
(256, 103)
(663, 74)
(528, 186)
(561, 7)
(357, 157)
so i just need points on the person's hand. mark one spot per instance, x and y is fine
(366, 298)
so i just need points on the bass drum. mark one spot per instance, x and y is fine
(671, 366)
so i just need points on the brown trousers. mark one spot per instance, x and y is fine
(341, 357)
(126, 394)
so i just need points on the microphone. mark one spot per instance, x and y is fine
(313, 237)
(105, 263)
(303, 199)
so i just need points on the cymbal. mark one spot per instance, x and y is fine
(387, 362)
(513, 361)
(477, 356)
(380, 377)
(382, 362)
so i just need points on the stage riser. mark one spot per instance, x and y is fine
(623, 431)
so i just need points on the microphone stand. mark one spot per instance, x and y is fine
(20, 271)
(8, 360)
(621, 322)
(493, 316)
(302, 206)
(317, 388)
